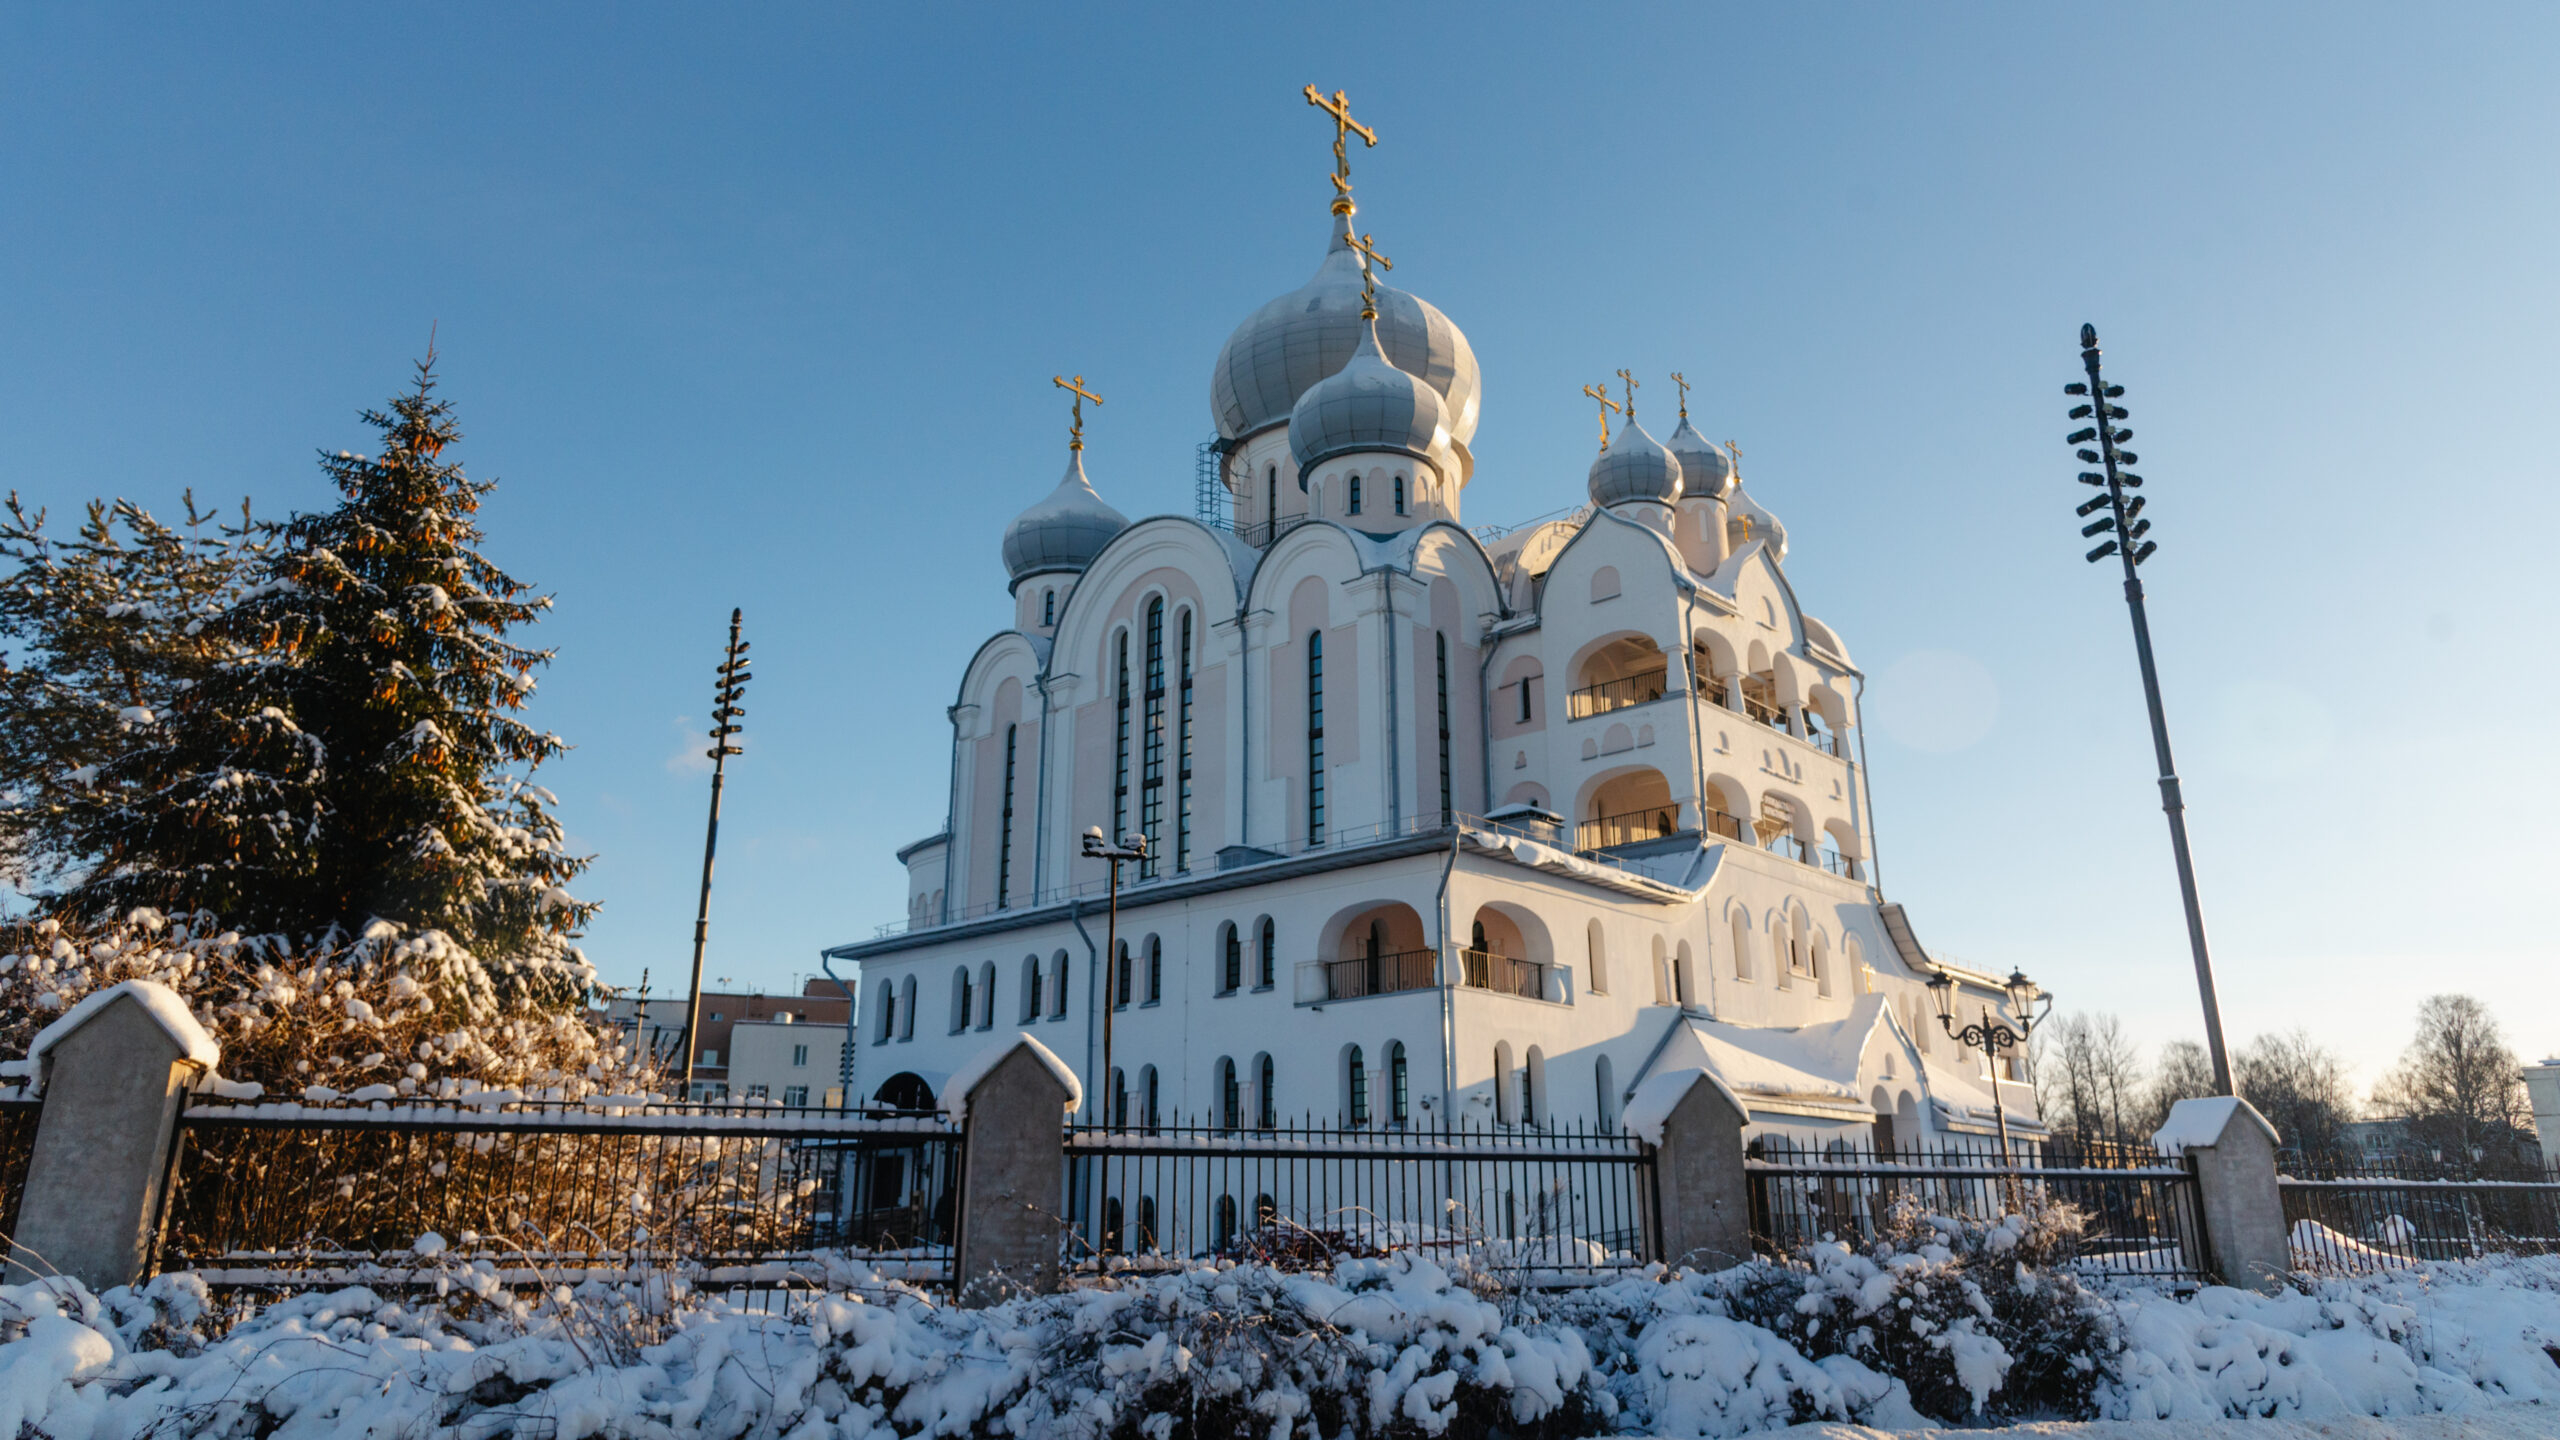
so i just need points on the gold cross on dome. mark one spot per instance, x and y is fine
(1601, 394)
(1075, 426)
(1367, 246)
(1734, 451)
(1683, 382)
(1344, 127)
(1631, 395)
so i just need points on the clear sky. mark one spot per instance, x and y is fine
(760, 307)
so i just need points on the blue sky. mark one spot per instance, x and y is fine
(760, 308)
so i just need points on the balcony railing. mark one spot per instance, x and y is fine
(1616, 694)
(1826, 858)
(1634, 827)
(1364, 975)
(1728, 826)
(1262, 533)
(1767, 712)
(1505, 974)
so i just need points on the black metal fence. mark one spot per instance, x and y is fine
(2363, 1212)
(556, 1191)
(2141, 1213)
(1548, 1205)
(18, 1117)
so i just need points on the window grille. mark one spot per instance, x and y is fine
(1315, 737)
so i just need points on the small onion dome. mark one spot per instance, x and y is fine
(1284, 348)
(1064, 531)
(1634, 467)
(1368, 406)
(1748, 521)
(1706, 472)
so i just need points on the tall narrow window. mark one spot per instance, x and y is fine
(1004, 831)
(1399, 494)
(1120, 748)
(1271, 505)
(1269, 963)
(1356, 1086)
(1048, 607)
(1155, 971)
(1266, 1099)
(1230, 1100)
(1448, 806)
(1525, 687)
(1231, 978)
(1151, 775)
(1398, 1099)
(1355, 494)
(1120, 978)
(1182, 753)
(1315, 737)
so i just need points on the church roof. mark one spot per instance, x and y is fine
(1063, 531)
(1634, 467)
(1368, 405)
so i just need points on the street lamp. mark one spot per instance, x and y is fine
(1991, 1037)
(1130, 847)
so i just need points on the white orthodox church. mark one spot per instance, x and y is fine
(1443, 825)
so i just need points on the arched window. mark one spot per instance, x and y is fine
(1502, 1114)
(907, 1008)
(1231, 960)
(1120, 742)
(1151, 753)
(888, 1008)
(987, 996)
(1355, 494)
(1030, 988)
(1355, 1086)
(1119, 1098)
(1048, 608)
(961, 996)
(1149, 1092)
(1599, 951)
(1270, 956)
(1661, 973)
(1155, 971)
(1528, 687)
(1121, 978)
(1058, 991)
(1741, 946)
(1821, 960)
(1605, 1077)
(1683, 984)
(1398, 1098)
(1315, 737)
(1230, 1096)
(1448, 772)
(1266, 1097)
(1533, 1088)
(1399, 494)
(1004, 825)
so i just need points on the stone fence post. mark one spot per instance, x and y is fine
(1702, 1191)
(1013, 1169)
(115, 1069)
(2231, 1149)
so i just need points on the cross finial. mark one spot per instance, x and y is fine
(1075, 425)
(1344, 127)
(1601, 394)
(1369, 256)
(1683, 382)
(1735, 450)
(1631, 383)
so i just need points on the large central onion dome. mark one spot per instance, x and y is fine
(1064, 531)
(1288, 345)
(1634, 467)
(1706, 472)
(1368, 405)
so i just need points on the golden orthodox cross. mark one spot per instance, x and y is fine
(1344, 127)
(1631, 395)
(1368, 248)
(1735, 451)
(1075, 427)
(1601, 394)
(1683, 382)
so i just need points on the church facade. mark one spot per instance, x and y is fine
(1442, 826)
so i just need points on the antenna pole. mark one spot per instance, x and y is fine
(725, 713)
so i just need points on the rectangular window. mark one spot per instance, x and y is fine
(1447, 806)
(1315, 737)
(1120, 748)
(758, 1092)
(1155, 972)
(1182, 756)
(1004, 829)
(711, 1058)
(1355, 494)
(1525, 687)
(799, 1055)
(1151, 775)
(795, 1095)
(1399, 494)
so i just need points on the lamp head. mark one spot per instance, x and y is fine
(2022, 993)
(1943, 987)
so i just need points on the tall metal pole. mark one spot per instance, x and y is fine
(2171, 801)
(1130, 847)
(725, 712)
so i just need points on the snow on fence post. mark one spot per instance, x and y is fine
(2231, 1150)
(1694, 1122)
(115, 1069)
(1011, 1103)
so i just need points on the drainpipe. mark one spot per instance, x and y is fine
(1484, 705)
(852, 1028)
(1448, 993)
(1875, 873)
(950, 819)
(1040, 782)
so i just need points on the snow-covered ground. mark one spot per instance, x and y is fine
(1380, 1347)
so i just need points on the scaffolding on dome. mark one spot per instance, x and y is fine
(1209, 486)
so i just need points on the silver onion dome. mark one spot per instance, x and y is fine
(1747, 521)
(1368, 405)
(1065, 530)
(1284, 348)
(1634, 467)
(1706, 472)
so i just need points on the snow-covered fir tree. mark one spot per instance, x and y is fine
(351, 761)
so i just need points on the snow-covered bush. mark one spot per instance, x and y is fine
(1975, 1318)
(380, 1014)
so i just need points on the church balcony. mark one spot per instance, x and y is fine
(1636, 827)
(1261, 535)
(1505, 974)
(1619, 694)
(1357, 978)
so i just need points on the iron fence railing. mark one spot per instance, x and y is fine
(1632, 828)
(1547, 1206)
(1504, 974)
(19, 1115)
(1380, 974)
(556, 1190)
(2361, 1212)
(1619, 694)
(2139, 1219)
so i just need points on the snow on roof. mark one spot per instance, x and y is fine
(1564, 862)
(1661, 1093)
(2201, 1122)
(1808, 1062)
(955, 1091)
(157, 1000)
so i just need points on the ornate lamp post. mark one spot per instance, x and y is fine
(1130, 847)
(1990, 1036)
